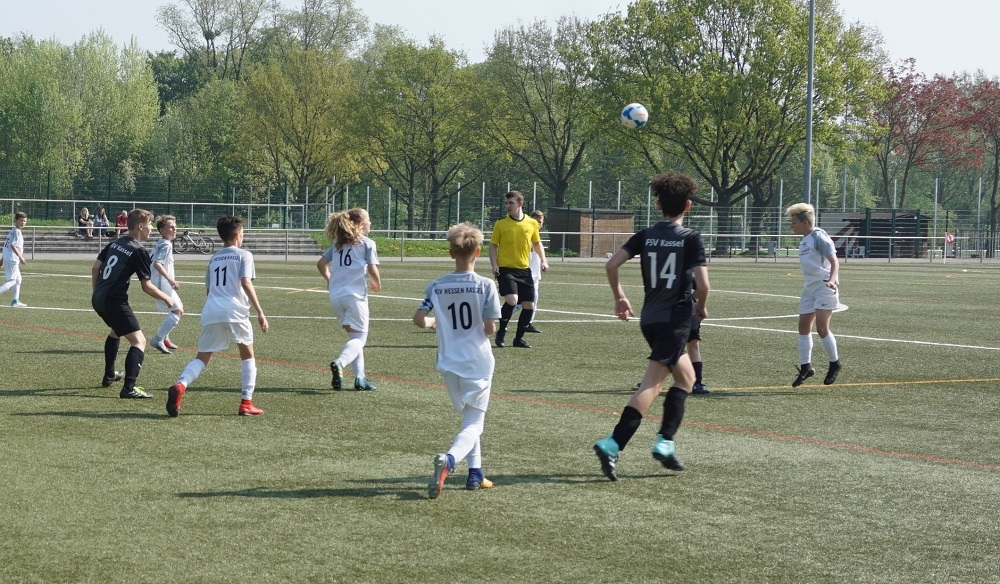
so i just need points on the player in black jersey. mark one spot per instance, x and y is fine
(110, 278)
(672, 259)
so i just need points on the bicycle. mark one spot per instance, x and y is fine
(188, 241)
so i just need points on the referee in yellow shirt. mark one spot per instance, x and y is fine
(510, 246)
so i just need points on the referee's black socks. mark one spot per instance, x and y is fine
(523, 320)
(506, 310)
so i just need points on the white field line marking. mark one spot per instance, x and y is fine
(605, 318)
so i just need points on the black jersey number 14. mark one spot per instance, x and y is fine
(662, 273)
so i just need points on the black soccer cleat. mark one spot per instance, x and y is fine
(805, 372)
(531, 329)
(107, 381)
(832, 372)
(499, 340)
(521, 344)
(698, 389)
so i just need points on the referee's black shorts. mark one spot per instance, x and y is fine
(118, 316)
(517, 281)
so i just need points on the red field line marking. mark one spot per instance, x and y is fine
(593, 409)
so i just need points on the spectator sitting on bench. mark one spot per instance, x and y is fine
(121, 222)
(86, 223)
(101, 223)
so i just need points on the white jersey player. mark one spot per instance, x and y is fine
(820, 291)
(347, 266)
(225, 318)
(468, 308)
(163, 279)
(13, 259)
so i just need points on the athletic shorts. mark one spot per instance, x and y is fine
(219, 335)
(12, 270)
(162, 306)
(695, 333)
(351, 311)
(666, 342)
(818, 296)
(467, 392)
(118, 317)
(516, 281)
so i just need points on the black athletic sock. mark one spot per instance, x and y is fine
(523, 320)
(673, 412)
(627, 426)
(697, 371)
(110, 356)
(506, 310)
(133, 364)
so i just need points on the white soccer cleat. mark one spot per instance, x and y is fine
(18, 304)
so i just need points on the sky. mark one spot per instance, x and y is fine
(943, 41)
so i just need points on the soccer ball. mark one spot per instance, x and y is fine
(635, 115)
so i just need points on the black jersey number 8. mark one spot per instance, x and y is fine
(666, 272)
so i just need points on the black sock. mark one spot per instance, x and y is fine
(110, 356)
(673, 412)
(133, 364)
(697, 371)
(627, 426)
(523, 320)
(506, 310)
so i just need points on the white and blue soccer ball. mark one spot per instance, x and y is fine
(635, 115)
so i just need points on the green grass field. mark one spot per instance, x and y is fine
(891, 475)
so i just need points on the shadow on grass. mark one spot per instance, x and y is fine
(73, 352)
(404, 492)
(715, 394)
(100, 415)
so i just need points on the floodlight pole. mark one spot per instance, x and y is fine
(809, 100)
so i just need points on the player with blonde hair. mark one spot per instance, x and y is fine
(468, 308)
(820, 291)
(163, 278)
(346, 265)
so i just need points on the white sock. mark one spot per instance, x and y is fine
(248, 378)
(467, 441)
(7, 286)
(168, 325)
(359, 365)
(805, 349)
(17, 287)
(353, 348)
(830, 346)
(191, 372)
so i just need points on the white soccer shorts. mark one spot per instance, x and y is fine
(351, 311)
(218, 335)
(464, 391)
(818, 296)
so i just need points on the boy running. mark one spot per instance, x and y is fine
(468, 309)
(110, 277)
(13, 259)
(672, 259)
(163, 279)
(225, 318)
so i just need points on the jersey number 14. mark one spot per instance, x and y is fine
(667, 272)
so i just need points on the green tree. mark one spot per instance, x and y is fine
(541, 103)
(294, 113)
(416, 112)
(725, 82)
